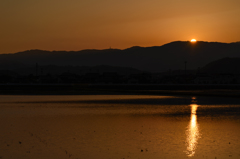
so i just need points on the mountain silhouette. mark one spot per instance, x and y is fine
(224, 65)
(157, 58)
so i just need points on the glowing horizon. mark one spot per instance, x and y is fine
(193, 40)
(79, 25)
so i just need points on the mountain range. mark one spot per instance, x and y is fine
(224, 65)
(152, 59)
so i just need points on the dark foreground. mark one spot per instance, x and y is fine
(108, 89)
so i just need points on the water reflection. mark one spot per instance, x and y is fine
(192, 132)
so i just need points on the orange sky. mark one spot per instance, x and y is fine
(100, 24)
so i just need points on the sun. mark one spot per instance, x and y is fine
(193, 40)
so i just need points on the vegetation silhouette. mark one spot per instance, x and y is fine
(208, 63)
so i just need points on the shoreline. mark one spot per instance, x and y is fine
(120, 89)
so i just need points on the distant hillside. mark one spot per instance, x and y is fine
(158, 58)
(225, 65)
(80, 70)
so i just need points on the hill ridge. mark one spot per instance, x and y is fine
(155, 58)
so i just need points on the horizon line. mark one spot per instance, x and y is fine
(110, 48)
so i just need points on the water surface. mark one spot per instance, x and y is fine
(119, 126)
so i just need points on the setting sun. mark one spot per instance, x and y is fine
(193, 40)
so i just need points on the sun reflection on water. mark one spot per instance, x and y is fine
(192, 132)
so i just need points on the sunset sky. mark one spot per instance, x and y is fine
(100, 24)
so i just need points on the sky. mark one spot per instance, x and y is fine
(100, 24)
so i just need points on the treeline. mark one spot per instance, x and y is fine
(177, 77)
